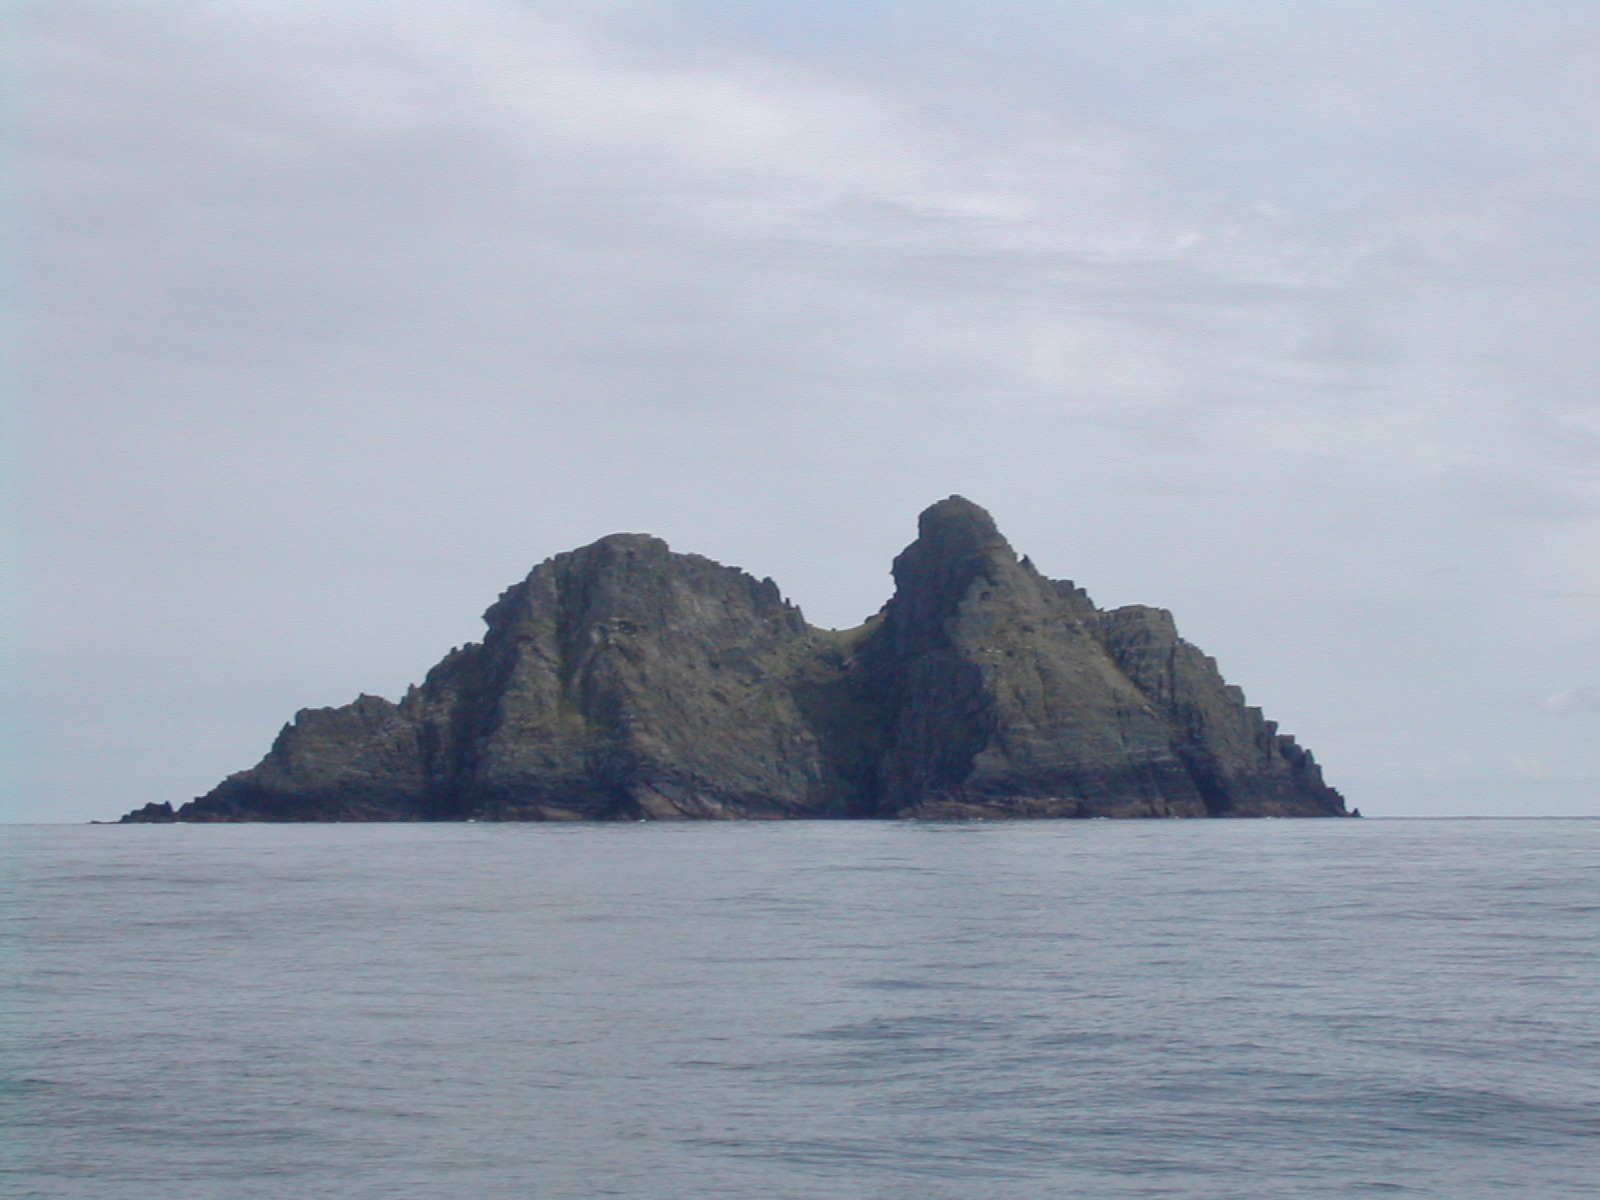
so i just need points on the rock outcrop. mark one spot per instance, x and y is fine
(623, 681)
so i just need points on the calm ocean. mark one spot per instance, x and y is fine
(1096, 1010)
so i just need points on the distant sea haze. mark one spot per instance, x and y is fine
(806, 1010)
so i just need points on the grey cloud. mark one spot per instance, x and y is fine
(345, 314)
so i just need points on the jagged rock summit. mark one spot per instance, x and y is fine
(622, 681)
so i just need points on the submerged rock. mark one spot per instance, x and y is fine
(623, 681)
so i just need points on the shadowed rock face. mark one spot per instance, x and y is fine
(622, 681)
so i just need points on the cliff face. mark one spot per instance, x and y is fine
(623, 681)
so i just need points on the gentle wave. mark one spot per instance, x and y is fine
(812, 1010)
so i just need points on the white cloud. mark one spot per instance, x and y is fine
(1583, 699)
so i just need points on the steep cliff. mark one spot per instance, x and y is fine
(999, 696)
(624, 681)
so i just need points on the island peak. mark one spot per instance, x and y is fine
(625, 681)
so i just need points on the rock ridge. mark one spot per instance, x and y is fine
(623, 681)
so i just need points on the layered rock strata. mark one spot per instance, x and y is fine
(623, 681)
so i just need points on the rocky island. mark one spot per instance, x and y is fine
(623, 681)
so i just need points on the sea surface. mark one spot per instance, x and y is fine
(1086, 1009)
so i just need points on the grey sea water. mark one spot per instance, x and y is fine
(810, 1010)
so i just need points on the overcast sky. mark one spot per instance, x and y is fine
(339, 316)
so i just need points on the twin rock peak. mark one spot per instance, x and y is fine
(622, 681)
